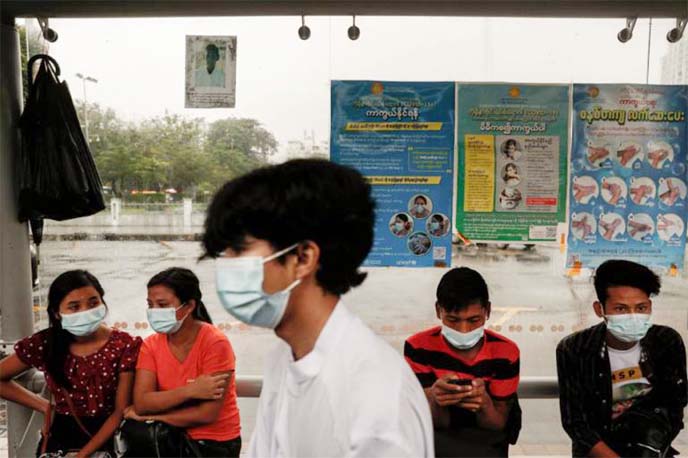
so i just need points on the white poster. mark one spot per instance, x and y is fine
(210, 71)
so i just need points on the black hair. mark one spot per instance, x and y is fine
(297, 201)
(186, 287)
(420, 197)
(57, 339)
(510, 141)
(438, 218)
(211, 48)
(618, 272)
(402, 216)
(461, 287)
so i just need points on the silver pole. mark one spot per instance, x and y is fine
(88, 139)
(15, 262)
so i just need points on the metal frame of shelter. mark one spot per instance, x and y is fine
(15, 266)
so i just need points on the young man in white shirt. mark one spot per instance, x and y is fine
(290, 239)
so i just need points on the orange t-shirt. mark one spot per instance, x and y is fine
(211, 353)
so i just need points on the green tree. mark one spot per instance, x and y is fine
(245, 135)
(171, 151)
(234, 147)
(34, 47)
(177, 145)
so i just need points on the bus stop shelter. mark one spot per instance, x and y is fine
(15, 266)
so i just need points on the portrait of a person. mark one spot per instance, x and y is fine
(210, 75)
(511, 150)
(419, 208)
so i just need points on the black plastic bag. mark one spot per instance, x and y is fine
(58, 178)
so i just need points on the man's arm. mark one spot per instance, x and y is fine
(670, 368)
(573, 416)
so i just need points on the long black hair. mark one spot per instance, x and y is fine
(58, 340)
(186, 287)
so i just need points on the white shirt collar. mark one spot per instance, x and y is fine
(309, 366)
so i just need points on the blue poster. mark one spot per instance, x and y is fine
(400, 136)
(628, 182)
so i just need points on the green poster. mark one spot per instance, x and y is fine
(512, 149)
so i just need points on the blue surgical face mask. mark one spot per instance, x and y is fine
(83, 323)
(434, 226)
(399, 227)
(628, 327)
(164, 319)
(239, 283)
(463, 340)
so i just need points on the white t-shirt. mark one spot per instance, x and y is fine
(628, 382)
(353, 395)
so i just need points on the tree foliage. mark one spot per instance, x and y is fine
(171, 151)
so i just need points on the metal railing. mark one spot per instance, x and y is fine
(249, 386)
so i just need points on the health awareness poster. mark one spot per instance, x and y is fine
(628, 184)
(512, 146)
(400, 135)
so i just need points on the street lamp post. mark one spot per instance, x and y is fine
(84, 79)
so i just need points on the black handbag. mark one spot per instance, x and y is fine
(643, 432)
(57, 175)
(153, 439)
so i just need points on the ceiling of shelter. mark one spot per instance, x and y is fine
(529, 8)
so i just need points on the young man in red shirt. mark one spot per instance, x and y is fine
(470, 374)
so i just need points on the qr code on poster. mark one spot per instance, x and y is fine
(439, 252)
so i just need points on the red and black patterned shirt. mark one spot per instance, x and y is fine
(94, 378)
(497, 362)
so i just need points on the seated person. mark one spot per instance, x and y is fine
(185, 372)
(470, 374)
(622, 382)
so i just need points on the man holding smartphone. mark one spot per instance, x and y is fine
(470, 374)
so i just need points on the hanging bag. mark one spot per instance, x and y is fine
(58, 178)
(46, 436)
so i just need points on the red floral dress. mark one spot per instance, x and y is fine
(94, 378)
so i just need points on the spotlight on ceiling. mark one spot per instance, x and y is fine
(48, 33)
(676, 33)
(354, 32)
(627, 33)
(304, 31)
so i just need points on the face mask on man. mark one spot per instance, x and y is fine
(463, 340)
(239, 283)
(83, 323)
(434, 226)
(399, 227)
(628, 327)
(164, 319)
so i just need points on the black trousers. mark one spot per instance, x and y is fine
(230, 448)
(470, 442)
(66, 434)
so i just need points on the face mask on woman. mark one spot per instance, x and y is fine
(164, 320)
(83, 323)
